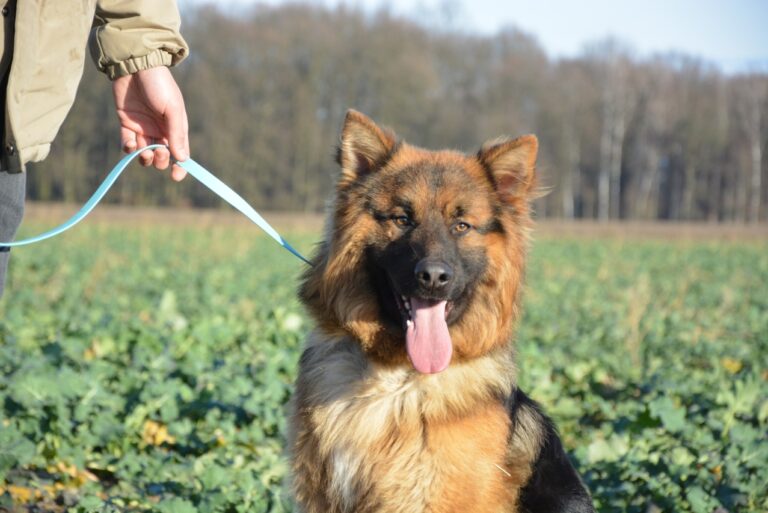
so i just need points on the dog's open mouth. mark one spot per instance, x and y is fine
(427, 338)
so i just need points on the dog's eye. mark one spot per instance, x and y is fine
(402, 221)
(461, 227)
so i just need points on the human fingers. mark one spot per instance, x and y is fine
(128, 140)
(178, 131)
(162, 158)
(145, 157)
(177, 173)
(178, 128)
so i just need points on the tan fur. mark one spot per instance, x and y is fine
(425, 442)
(368, 432)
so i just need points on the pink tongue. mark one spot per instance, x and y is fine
(427, 339)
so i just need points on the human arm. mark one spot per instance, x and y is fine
(133, 42)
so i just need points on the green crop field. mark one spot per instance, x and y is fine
(148, 368)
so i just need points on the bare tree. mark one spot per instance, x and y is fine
(669, 137)
(613, 66)
(751, 96)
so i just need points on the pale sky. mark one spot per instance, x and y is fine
(733, 34)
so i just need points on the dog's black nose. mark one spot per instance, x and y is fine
(433, 275)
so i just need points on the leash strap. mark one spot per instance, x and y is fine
(190, 166)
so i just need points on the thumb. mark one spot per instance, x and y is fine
(178, 132)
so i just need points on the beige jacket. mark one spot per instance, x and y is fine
(49, 43)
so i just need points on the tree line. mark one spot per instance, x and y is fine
(668, 137)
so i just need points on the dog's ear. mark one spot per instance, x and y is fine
(364, 146)
(512, 165)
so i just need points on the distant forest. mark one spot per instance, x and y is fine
(668, 137)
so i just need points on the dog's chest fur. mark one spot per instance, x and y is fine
(389, 440)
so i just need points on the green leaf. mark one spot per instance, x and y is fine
(90, 504)
(700, 501)
(176, 505)
(672, 417)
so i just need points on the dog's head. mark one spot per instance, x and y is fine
(425, 250)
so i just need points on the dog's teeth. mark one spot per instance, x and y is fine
(409, 323)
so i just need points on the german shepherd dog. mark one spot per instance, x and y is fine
(406, 398)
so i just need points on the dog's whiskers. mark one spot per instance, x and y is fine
(500, 468)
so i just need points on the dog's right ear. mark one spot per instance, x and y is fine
(364, 147)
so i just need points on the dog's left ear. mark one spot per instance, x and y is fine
(364, 146)
(512, 164)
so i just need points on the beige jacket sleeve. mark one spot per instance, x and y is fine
(132, 35)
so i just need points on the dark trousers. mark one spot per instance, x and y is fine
(12, 192)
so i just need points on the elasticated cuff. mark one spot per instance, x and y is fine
(152, 60)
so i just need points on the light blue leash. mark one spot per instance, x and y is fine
(191, 167)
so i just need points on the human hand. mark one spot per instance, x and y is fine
(150, 108)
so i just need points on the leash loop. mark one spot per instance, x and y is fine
(190, 166)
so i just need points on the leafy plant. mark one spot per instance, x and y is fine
(148, 369)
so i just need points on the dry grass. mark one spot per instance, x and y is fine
(652, 230)
(55, 213)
